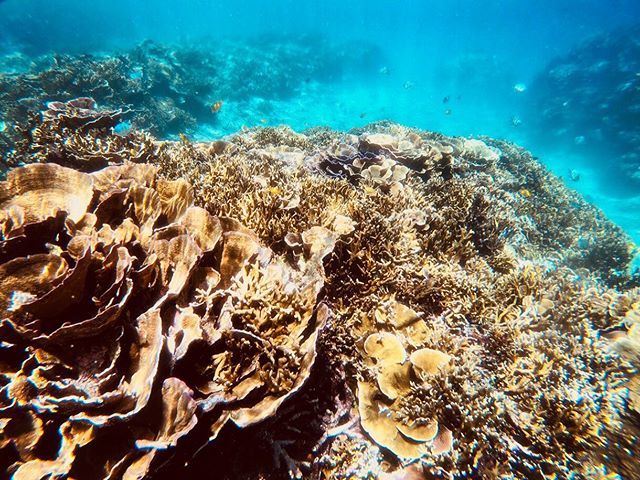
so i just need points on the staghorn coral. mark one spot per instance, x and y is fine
(470, 332)
(134, 298)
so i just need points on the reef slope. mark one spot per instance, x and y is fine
(384, 303)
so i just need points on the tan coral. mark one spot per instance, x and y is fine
(137, 257)
(395, 376)
(394, 379)
(385, 347)
(379, 424)
(429, 361)
(37, 192)
(526, 294)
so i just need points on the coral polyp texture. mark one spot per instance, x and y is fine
(115, 289)
(385, 303)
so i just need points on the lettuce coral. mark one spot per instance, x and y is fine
(132, 293)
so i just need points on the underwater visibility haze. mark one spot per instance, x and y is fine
(323, 240)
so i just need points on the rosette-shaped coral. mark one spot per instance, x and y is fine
(130, 316)
(81, 112)
(387, 158)
(399, 361)
(78, 134)
(346, 161)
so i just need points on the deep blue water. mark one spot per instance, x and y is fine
(461, 67)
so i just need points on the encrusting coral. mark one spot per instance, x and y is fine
(385, 303)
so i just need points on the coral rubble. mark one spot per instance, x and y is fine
(385, 303)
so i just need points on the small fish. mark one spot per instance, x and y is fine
(448, 111)
(525, 193)
(446, 99)
(520, 87)
(263, 120)
(408, 85)
(384, 71)
(516, 121)
(579, 140)
(215, 108)
(184, 139)
(363, 114)
(574, 175)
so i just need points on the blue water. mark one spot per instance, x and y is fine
(461, 67)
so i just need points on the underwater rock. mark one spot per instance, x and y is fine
(334, 305)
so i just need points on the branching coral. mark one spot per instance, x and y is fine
(478, 273)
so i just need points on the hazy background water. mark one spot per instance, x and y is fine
(461, 67)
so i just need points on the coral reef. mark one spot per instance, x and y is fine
(170, 89)
(116, 290)
(590, 98)
(384, 303)
(495, 266)
(79, 135)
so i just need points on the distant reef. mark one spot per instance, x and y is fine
(386, 303)
(168, 90)
(590, 98)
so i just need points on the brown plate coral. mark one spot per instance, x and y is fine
(380, 304)
(116, 288)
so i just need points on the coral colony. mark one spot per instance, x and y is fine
(386, 303)
(169, 90)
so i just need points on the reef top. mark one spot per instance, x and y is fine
(383, 303)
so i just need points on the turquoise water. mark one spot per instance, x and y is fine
(459, 67)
